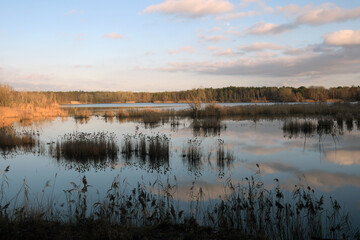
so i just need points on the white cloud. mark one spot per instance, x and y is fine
(343, 38)
(191, 8)
(113, 35)
(263, 28)
(260, 46)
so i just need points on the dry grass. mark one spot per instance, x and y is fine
(29, 113)
(295, 128)
(249, 209)
(275, 111)
(153, 151)
(108, 114)
(207, 127)
(86, 150)
(11, 140)
(84, 114)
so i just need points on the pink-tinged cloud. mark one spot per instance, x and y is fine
(113, 35)
(343, 38)
(212, 38)
(213, 48)
(260, 3)
(186, 49)
(317, 62)
(343, 157)
(226, 52)
(333, 14)
(263, 28)
(235, 15)
(260, 46)
(327, 181)
(317, 15)
(215, 29)
(191, 8)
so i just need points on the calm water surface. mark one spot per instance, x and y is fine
(328, 163)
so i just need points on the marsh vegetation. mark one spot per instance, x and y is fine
(152, 151)
(12, 140)
(248, 209)
(184, 170)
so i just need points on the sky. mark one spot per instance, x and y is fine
(167, 45)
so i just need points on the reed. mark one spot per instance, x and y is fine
(192, 155)
(207, 127)
(224, 158)
(153, 150)
(84, 114)
(294, 128)
(249, 209)
(108, 114)
(86, 147)
(12, 140)
(274, 111)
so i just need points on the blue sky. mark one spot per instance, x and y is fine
(178, 44)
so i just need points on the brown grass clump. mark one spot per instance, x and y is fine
(82, 114)
(122, 114)
(207, 126)
(152, 151)
(108, 114)
(86, 147)
(11, 140)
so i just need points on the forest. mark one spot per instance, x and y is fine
(8, 96)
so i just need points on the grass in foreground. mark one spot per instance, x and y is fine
(248, 210)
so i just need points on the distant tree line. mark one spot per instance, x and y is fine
(227, 94)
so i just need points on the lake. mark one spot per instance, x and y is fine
(328, 160)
